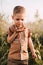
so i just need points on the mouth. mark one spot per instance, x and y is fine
(19, 24)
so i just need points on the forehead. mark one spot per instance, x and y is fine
(21, 15)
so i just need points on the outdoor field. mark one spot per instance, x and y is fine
(34, 23)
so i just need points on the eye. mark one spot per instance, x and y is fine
(22, 19)
(17, 19)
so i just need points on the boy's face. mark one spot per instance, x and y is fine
(18, 18)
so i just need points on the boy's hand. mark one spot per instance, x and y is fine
(34, 55)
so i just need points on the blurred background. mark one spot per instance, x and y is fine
(34, 21)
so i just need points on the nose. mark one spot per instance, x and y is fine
(20, 20)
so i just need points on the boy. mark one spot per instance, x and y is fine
(19, 37)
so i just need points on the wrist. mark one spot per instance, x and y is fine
(33, 52)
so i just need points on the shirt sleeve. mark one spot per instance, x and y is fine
(29, 33)
(11, 30)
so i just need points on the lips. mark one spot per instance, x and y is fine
(19, 24)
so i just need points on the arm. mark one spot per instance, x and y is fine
(30, 43)
(31, 46)
(10, 38)
(11, 34)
